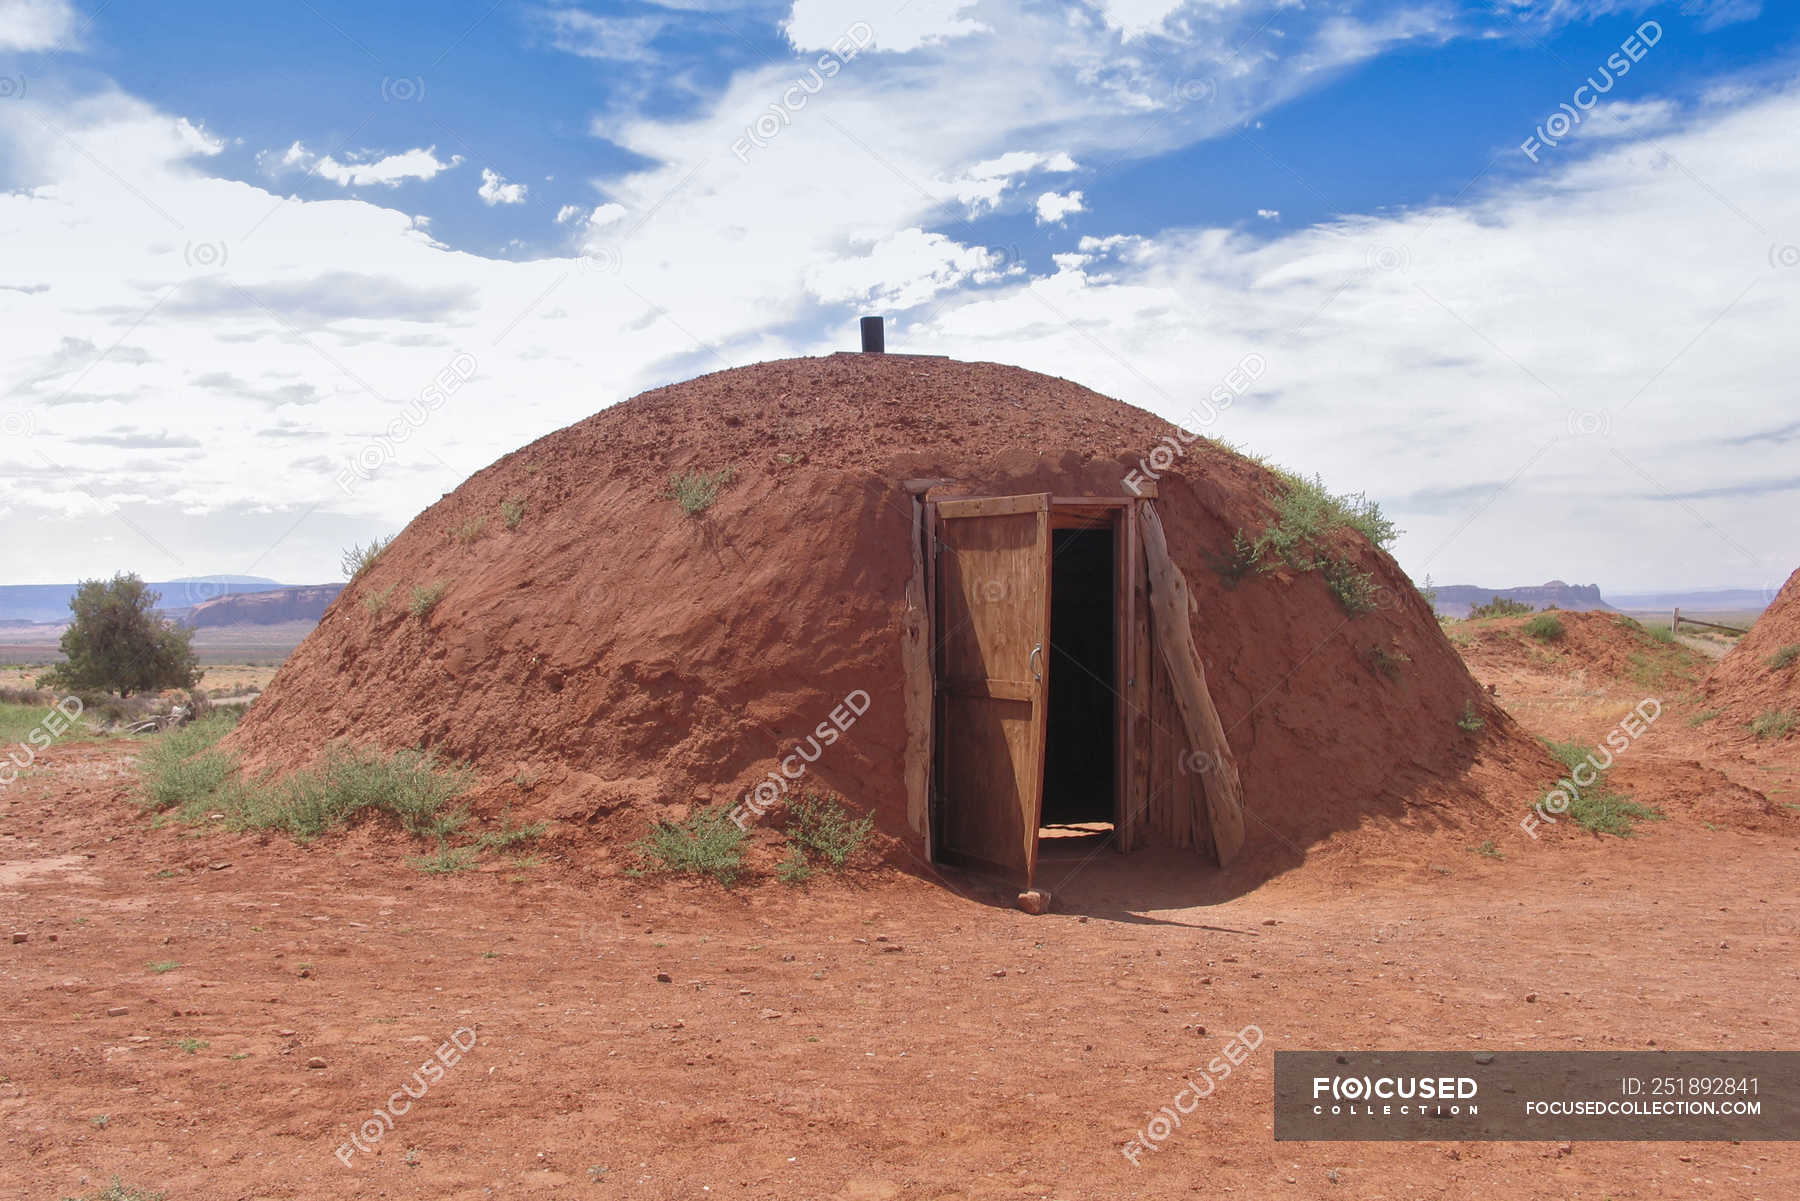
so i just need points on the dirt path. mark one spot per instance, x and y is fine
(884, 1039)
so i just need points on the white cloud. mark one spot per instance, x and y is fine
(568, 213)
(495, 190)
(902, 270)
(598, 218)
(36, 25)
(1053, 207)
(821, 24)
(1136, 18)
(982, 186)
(615, 38)
(1269, 214)
(1628, 119)
(363, 170)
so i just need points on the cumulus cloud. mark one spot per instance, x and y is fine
(361, 170)
(495, 190)
(904, 269)
(1269, 214)
(1054, 207)
(36, 25)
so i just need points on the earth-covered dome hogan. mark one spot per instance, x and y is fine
(719, 582)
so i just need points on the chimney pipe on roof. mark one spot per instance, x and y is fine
(873, 336)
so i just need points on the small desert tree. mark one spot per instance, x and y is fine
(118, 642)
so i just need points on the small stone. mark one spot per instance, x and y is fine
(1484, 1057)
(787, 959)
(769, 1014)
(1199, 1029)
(305, 973)
(892, 948)
(1036, 901)
(285, 1033)
(1531, 998)
(315, 1063)
(664, 978)
(52, 938)
(117, 1011)
(21, 936)
(1565, 1149)
(219, 866)
(999, 971)
(1269, 921)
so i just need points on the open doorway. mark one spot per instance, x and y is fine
(1079, 747)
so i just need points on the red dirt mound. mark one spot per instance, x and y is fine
(1593, 648)
(1762, 672)
(607, 656)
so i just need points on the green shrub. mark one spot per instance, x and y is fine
(425, 598)
(1470, 720)
(179, 766)
(446, 861)
(818, 824)
(1702, 717)
(1355, 590)
(410, 786)
(470, 531)
(1772, 725)
(695, 491)
(1386, 662)
(1545, 628)
(1662, 634)
(794, 869)
(1784, 656)
(499, 840)
(375, 600)
(1499, 606)
(1597, 807)
(512, 512)
(1239, 562)
(359, 559)
(708, 843)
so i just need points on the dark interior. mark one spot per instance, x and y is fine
(1078, 744)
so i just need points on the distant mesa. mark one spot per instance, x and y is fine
(1455, 600)
(273, 607)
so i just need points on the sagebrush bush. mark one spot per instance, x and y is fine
(819, 824)
(1545, 628)
(708, 843)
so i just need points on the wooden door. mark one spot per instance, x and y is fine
(992, 625)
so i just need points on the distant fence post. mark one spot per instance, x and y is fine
(1675, 622)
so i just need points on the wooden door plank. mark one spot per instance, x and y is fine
(915, 650)
(993, 506)
(1170, 604)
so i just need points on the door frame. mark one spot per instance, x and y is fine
(1131, 656)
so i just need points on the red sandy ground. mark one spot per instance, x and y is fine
(876, 1037)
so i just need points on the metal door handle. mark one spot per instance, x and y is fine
(1036, 651)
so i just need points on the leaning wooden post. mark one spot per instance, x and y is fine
(1170, 604)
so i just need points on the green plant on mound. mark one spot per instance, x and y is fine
(819, 825)
(708, 843)
(181, 772)
(358, 559)
(1499, 606)
(425, 598)
(1306, 514)
(1470, 721)
(1545, 628)
(1662, 634)
(447, 860)
(1773, 725)
(695, 491)
(1702, 717)
(1784, 656)
(470, 531)
(512, 512)
(179, 766)
(1597, 807)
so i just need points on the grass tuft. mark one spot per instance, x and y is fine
(512, 512)
(358, 559)
(470, 531)
(445, 861)
(1597, 807)
(1470, 720)
(708, 843)
(819, 825)
(1784, 656)
(696, 491)
(1702, 717)
(425, 598)
(1545, 628)
(1774, 724)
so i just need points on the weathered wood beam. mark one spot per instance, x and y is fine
(1170, 603)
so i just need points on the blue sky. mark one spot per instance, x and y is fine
(242, 238)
